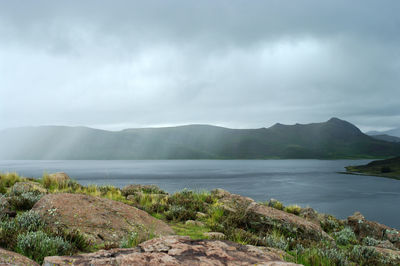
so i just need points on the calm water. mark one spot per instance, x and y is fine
(313, 183)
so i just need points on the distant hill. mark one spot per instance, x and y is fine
(386, 138)
(328, 140)
(393, 132)
(386, 168)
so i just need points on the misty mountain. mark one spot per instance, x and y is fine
(392, 132)
(332, 139)
(386, 138)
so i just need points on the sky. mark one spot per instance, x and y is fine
(240, 64)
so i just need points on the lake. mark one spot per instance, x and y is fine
(313, 183)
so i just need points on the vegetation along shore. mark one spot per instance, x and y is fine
(386, 168)
(56, 221)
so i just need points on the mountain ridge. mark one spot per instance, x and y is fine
(332, 139)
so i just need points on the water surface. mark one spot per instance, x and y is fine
(313, 183)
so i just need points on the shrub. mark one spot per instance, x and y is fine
(136, 237)
(366, 255)
(276, 240)
(131, 241)
(189, 204)
(8, 233)
(345, 237)
(386, 169)
(38, 245)
(295, 209)
(180, 213)
(29, 221)
(369, 241)
(329, 223)
(78, 240)
(25, 201)
(275, 204)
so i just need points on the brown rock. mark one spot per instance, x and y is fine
(196, 223)
(12, 258)
(310, 215)
(27, 186)
(269, 217)
(176, 250)
(214, 235)
(392, 255)
(363, 228)
(102, 220)
(59, 177)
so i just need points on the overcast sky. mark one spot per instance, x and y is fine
(120, 64)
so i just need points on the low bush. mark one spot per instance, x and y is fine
(366, 256)
(8, 233)
(275, 204)
(25, 201)
(186, 204)
(294, 209)
(345, 236)
(29, 221)
(78, 240)
(276, 240)
(38, 245)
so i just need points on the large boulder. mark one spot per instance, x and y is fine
(269, 218)
(27, 186)
(101, 220)
(12, 258)
(176, 250)
(364, 228)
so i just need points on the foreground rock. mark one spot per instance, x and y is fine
(176, 250)
(101, 220)
(12, 258)
(364, 228)
(269, 218)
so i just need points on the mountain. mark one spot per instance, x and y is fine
(328, 140)
(392, 132)
(386, 138)
(386, 168)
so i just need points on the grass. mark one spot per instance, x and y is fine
(193, 231)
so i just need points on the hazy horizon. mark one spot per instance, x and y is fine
(134, 64)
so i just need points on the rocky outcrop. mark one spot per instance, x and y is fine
(59, 177)
(101, 220)
(12, 258)
(27, 186)
(176, 250)
(364, 228)
(268, 218)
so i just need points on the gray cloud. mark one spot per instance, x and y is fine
(116, 64)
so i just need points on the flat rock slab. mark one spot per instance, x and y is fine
(176, 250)
(12, 258)
(102, 220)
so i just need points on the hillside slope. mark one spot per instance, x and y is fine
(332, 139)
